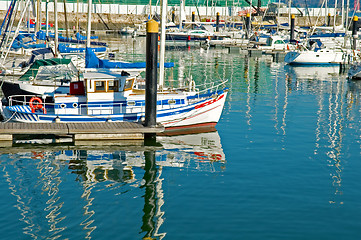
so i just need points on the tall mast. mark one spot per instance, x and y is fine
(334, 16)
(77, 16)
(89, 23)
(278, 15)
(181, 14)
(56, 37)
(46, 21)
(162, 44)
(38, 20)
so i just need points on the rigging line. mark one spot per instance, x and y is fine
(17, 29)
(105, 24)
(10, 118)
(309, 17)
(264, 14)
(199, 16)
(7, 25)
(319, 14)
(6, 15)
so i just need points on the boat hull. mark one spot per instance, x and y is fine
(315, 58)
(197, 114)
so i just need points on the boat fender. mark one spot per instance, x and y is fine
(37, 105)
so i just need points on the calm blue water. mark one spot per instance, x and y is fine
(284, 164)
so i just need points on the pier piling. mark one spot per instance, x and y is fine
(292, 33)
(217, 22)
(354, 32)
(193, 19)
(151, 79)
(248, 28)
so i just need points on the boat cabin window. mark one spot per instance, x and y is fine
(107, 86)
(113, 86)
(100, 86)
(129, 84)
(140, 86)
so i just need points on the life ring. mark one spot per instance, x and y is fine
(38, 105)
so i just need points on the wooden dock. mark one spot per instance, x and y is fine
(79, 131)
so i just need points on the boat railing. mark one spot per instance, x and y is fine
(22, 99)
(211, 87)
(85, 108)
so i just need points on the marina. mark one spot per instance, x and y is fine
(214, 131)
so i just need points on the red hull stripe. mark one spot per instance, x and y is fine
(209, 102)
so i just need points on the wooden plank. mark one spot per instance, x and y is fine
(6, 137)
(76, 128)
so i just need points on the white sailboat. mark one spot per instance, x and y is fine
(316, 57)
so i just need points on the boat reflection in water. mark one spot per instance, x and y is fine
(53, 205)
(313, 72)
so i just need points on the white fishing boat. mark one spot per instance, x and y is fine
(105, 97)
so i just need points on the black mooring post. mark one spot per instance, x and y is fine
(354, 32)
(151, 80)
(329, 19)
(173, 16)
(248, 20)
(217, 22)
(292, 33)
(193, 19)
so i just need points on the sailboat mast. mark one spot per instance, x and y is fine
(162, 44)
(334, 16)
(89, 23)
(66, 20)
(343, 12)
(289, 12)
(56, 30)
(180, 14)
(278, 15)
(37, 24)
(77, 16)
(46, 20)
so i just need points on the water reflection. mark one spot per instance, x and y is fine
(332, 115)
(41, 178)
(312, 72)
(330, 122)
(39, 186)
